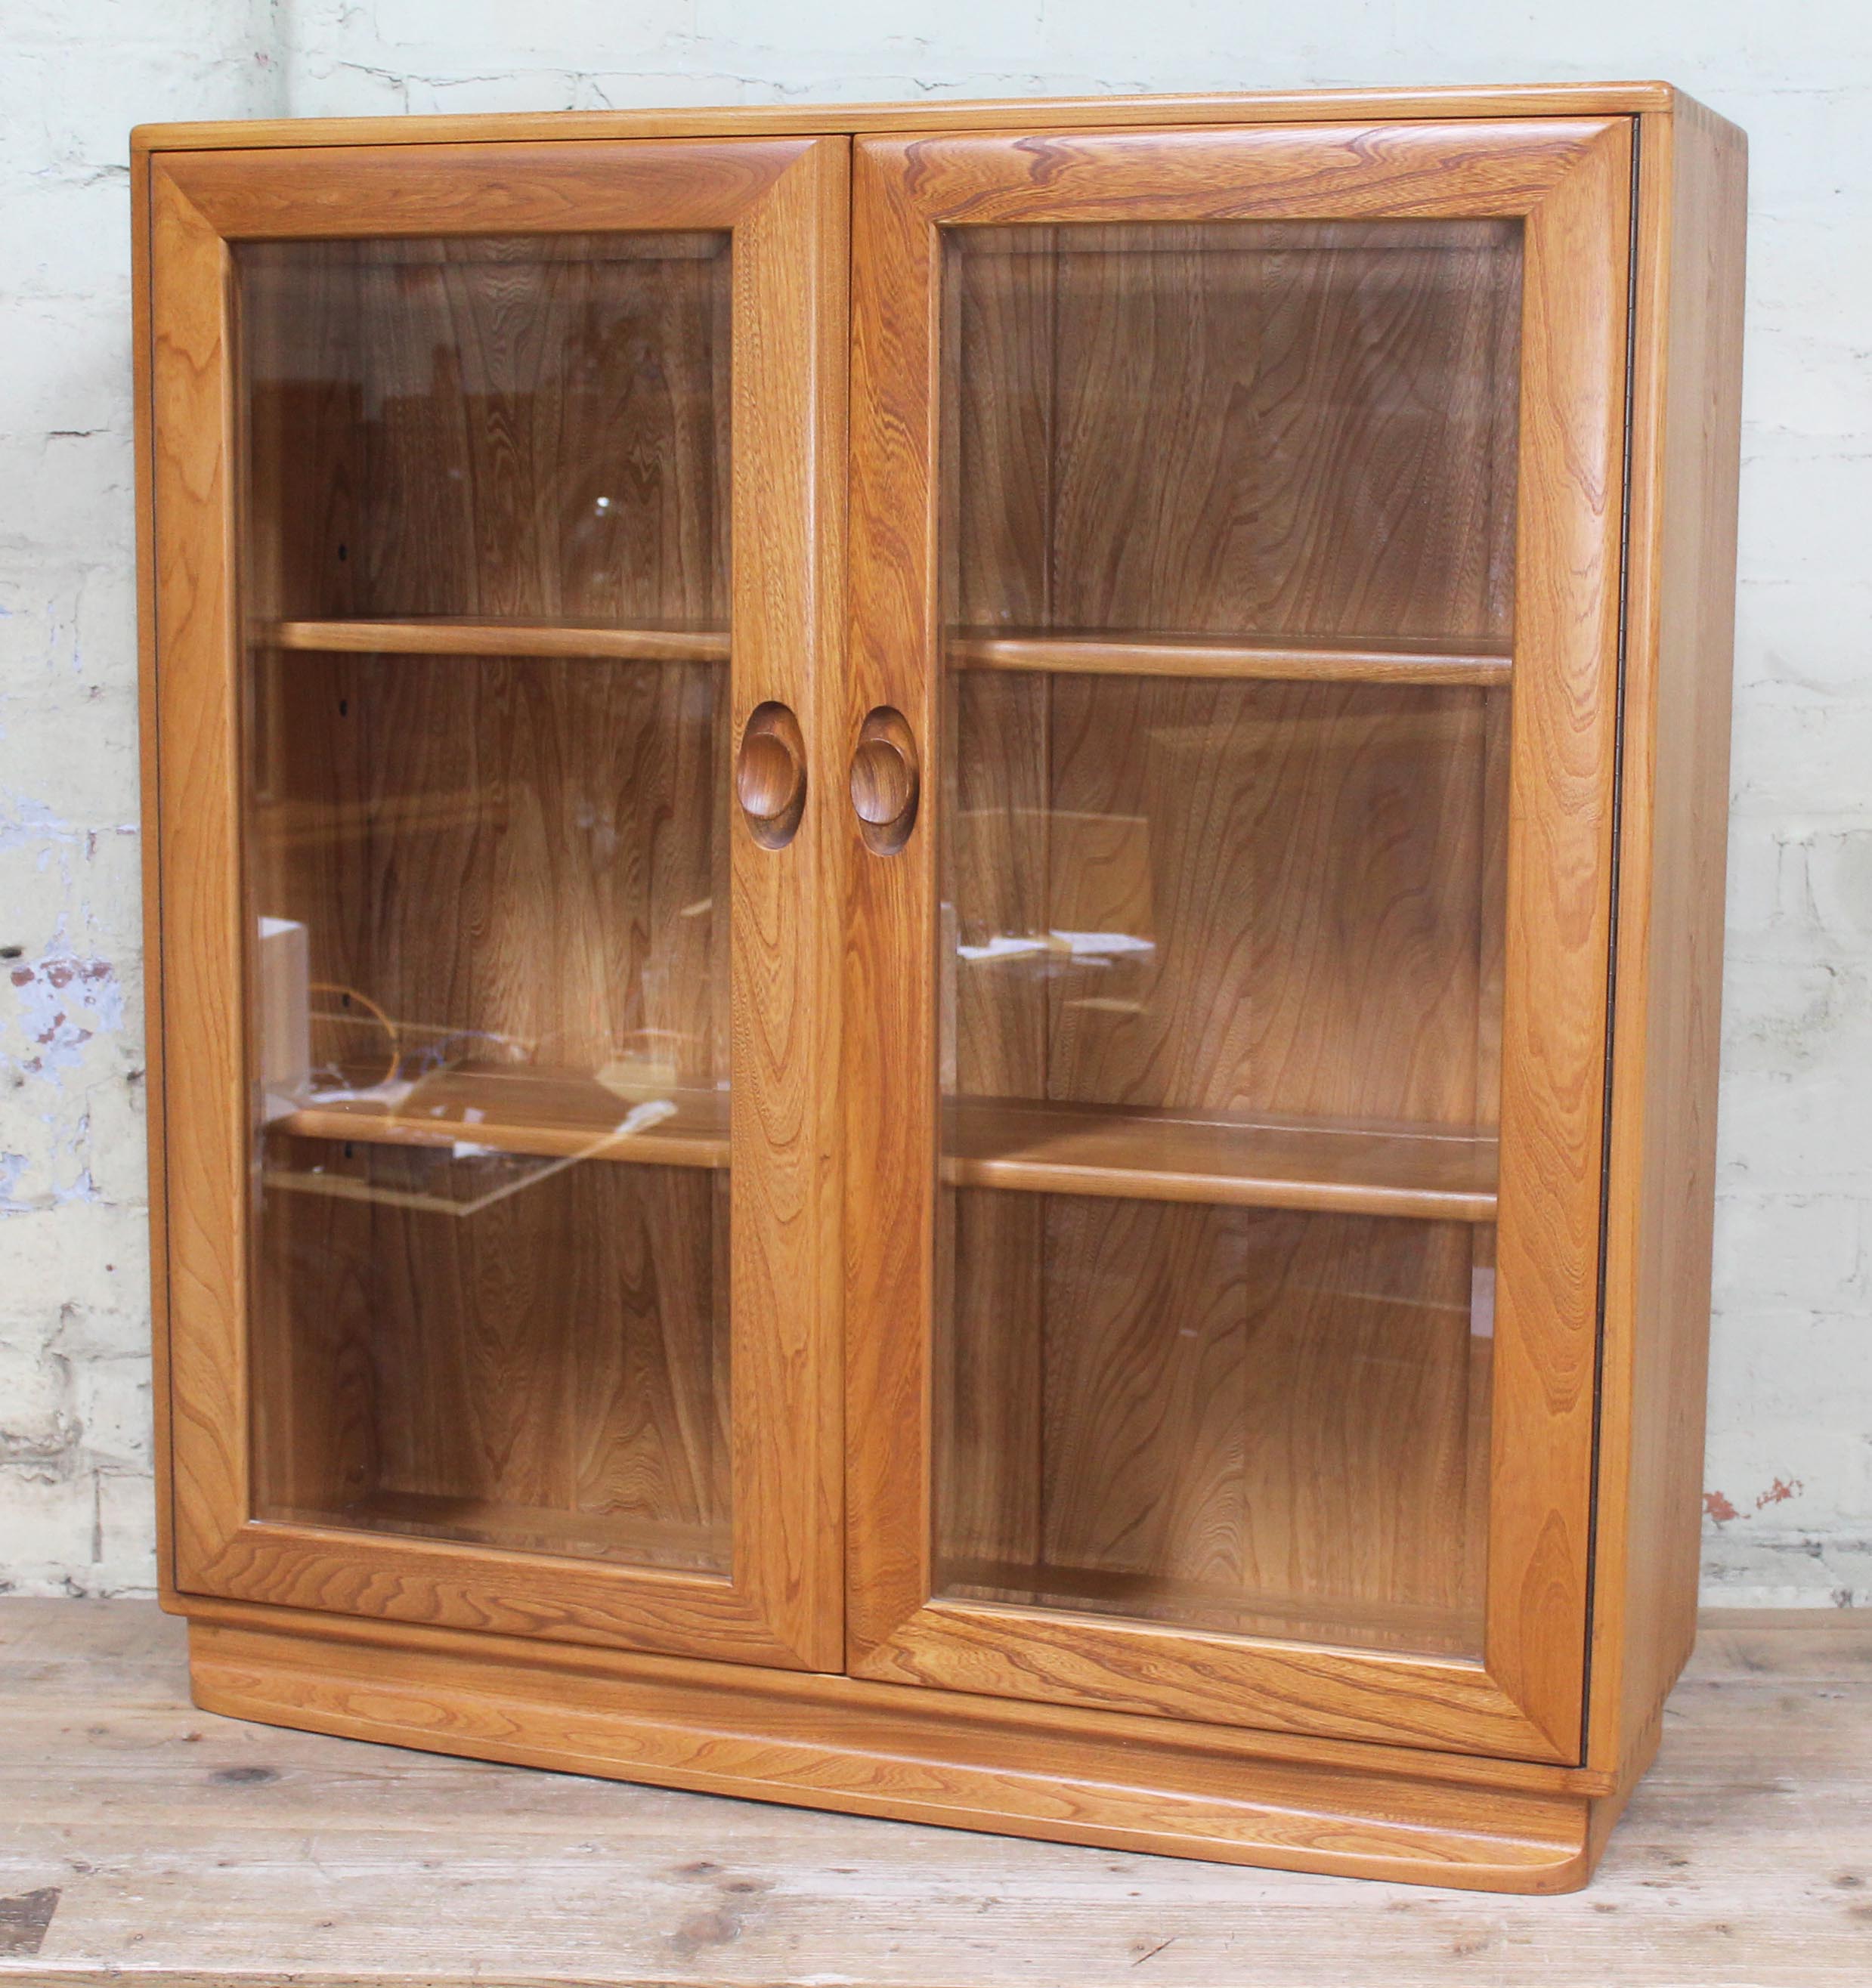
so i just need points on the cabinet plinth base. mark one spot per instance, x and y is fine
(909, 1755)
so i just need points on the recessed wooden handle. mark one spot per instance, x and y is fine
(769, 778)
(885, 781)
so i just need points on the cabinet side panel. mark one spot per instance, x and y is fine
(1685, 420)
(141, 336)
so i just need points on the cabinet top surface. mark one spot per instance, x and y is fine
(1060, 112)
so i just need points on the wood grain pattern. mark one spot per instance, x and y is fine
(1277, 890)
(420, 395)
(1091, 1149)
(149, 804)
(1564, 180)
(1405, 660)
(373, 192)
(1293, 425)
(1303, 106)
(484, 811)
(911, 1757)
(1292, 1457)
(1558, 932)
(500, 1361)
(1679, 666)
(205, 1104)
(568, 814)
(445, 636)
(1253, 430)
(522, 1109)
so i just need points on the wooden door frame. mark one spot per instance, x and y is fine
(1569, 180)
(783, 201)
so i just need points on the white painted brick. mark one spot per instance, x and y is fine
(38, 1406)
(49, 1525)
(81, 1334)
(110, 1400)
(71, 1254)
(1806, 639)
(1809, 758)
(1791, 1249)
(126, 1534)
(65, 366)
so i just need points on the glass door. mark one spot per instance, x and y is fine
(1267, 670)
(516, 688)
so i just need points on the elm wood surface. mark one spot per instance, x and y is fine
(153, 843)
(784, 204)
(1568, 181)
(1089, 1149)
(499, 1359)
(440, 635)
(201, 1849)
(572, 817)
(523, 1110)
(1289, 896)
(493, 427)
(1687, 426)
(1304, 106)
(1279, 1417)
(1264, 427)
(1324, 658)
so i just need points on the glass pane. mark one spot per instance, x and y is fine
(486, 581)
(1228, 540)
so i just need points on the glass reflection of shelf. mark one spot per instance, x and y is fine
(1230, 1609)
(1476, 660)
(524, 1109)
(663, 1542)
(1145, 1155)
(450, 635)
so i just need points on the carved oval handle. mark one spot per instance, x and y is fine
(885, 781)
(769, 777)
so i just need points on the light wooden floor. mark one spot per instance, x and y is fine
(140, 1836)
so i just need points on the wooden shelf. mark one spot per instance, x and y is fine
(1474, 660)
(446, 635)
(1043, 1149)
(680, 1546)
(550, 1113)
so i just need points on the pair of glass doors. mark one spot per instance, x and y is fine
(1080, 708)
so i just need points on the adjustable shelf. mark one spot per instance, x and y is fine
(449, 635)
(1145, 1155)
(1473, 659)
(547, 1113)
(693, 1548)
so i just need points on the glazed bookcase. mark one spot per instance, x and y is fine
(934, 916)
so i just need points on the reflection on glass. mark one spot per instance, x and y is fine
(1229, 539)
(485, 865)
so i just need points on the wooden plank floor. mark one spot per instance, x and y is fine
(139, 1838)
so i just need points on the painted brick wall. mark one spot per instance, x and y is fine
(1790, 1466)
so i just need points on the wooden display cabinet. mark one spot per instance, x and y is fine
(936, 910)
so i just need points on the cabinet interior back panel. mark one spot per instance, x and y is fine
(1248, 1420)
(485, 427)
(515, 860)
(532, 1353)
(1288, 897)
(1256, 428)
